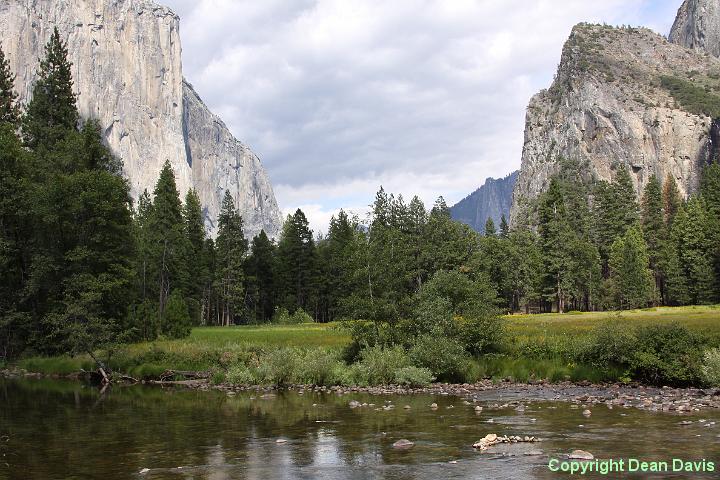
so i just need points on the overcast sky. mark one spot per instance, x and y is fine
(339, 97)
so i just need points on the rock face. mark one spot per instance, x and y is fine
(697, 26)
(608, 107)
(492, 200)
(128, 75)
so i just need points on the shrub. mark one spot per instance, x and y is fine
(240, 375)
(278, 367)
(366, 334)
(481, 332)
(318, 367)
(667, 354)
(378, 365)
(282, 316)
(443, 356)
(301, 316)
(610, 344)
(413, 376)
(711, 367)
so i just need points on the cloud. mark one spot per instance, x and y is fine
(338, 96)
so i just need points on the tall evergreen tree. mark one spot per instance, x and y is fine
(197, 263)
(52, 111)
(9, 111)
(672, 201)
(654, 231)
(630, 278)
(231, 247)
(615, 211)
(490, 230)
(691, 235)
(504, 227)
(260, 272)
(296, 263)
(16, 244)
(168, 244)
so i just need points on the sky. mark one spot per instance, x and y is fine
(339, 97)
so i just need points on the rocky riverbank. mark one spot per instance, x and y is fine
(489, 394)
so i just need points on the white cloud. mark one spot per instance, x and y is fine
(339, 96)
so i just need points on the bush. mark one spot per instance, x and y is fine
(278, 367)
(378, 365)
(481, 333)
(667, 355)
(318, 367)
(610, 344)
(301, 316)
(240, 375)
(367, 334)
(443, 356)
(711, 367)
(413, 376)
(282, 316)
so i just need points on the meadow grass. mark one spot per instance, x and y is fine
(535, 346)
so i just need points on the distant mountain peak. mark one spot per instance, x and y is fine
(492, 200)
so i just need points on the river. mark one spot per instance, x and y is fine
(53, 429)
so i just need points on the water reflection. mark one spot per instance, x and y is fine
(65, 430)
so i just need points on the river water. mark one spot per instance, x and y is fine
(52, 429)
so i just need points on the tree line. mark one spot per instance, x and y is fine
(83, 265)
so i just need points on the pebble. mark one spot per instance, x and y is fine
(144, 471)
(281, 440)
(434, 406)
(587, 413)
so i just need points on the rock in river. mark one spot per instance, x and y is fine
(403, 444)
(581, 455)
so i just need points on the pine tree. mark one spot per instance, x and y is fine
(654, 232)
(16, 244)
(490, 230)
(691, 235)
(231, 248)
(672, 201)
(52, 111)
(9, 111)
(710, 188)
(296, 263)
(630, 278)
(260, 272)
(168, 245)
(504, 227)
(197, 263)
(615, 211)
(556, 236)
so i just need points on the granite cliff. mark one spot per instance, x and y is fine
(615, 101)
(697, 26)
(492, 200)
(128, 75)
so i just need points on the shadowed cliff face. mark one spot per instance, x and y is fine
(492, 200)
(697, 26)
(609, 106)
(128, 75)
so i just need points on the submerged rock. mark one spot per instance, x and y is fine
(403, 444)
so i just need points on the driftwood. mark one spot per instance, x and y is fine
(101, 368)
(190, 375)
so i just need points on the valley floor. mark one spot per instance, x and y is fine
(533, 349)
